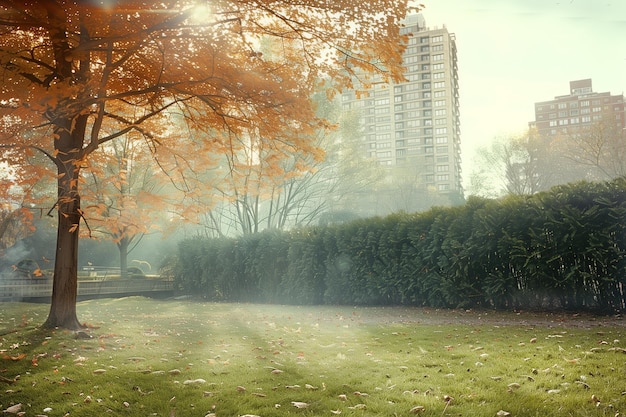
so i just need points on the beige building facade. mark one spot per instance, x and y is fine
(581, 108)
(414, 125)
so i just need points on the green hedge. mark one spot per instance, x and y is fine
(559, 249)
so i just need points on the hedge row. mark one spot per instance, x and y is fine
(562, 249)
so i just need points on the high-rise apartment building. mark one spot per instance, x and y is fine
(580, 109)
(414, 124)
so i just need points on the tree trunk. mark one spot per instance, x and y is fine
(65, 283)
(123, 248)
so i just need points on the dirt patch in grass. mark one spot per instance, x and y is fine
(417, 315)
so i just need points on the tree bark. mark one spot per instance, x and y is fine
(65, 283)
(123, 248)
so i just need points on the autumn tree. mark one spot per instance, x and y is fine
(307, 188)
(124, 194)
(77, 75)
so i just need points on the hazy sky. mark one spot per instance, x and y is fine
(513, 53)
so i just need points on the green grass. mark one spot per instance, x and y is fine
(184, 358)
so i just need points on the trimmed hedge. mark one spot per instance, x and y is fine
(564, 248)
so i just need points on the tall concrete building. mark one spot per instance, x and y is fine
(580, 109)
(414, 125)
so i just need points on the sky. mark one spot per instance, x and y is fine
(514, 53)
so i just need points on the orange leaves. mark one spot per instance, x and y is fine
(215, 107)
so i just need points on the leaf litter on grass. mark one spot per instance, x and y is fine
(175, 358)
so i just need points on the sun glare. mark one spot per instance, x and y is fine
(202, 13)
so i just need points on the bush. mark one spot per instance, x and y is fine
(559, 249)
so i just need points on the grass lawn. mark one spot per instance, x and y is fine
(184, 358)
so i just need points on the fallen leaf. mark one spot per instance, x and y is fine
(299, 404)
(503, 413)
(194, 381)
(15, 358)
(417, 409)
(14, 409)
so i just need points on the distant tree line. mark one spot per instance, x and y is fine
(564, 248)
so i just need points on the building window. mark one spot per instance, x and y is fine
(438, 48)
(442, 139)
(562, 105)
(441, 130)
(438, 57)
(424, 48)
(440, 93)
(440, 84)
(424, 39)
(443, 177)
(440, 121)
(439, 112)
(440, 103)
(438, 66)
(437, 38)
(442, 149)
(438, 75)
(413, 123)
